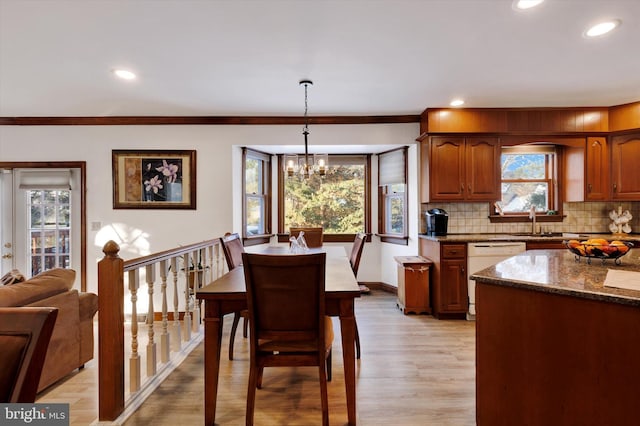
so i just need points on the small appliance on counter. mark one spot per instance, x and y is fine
(437, 221)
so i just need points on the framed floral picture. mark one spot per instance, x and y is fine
(154, 179)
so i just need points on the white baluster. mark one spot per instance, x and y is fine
(134, 359)
(151, 345)
(175, 329)
(164, 334)
(197, 274)
(187, 313)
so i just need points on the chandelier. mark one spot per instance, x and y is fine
(307, 164)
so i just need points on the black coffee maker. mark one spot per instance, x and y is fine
(437, 221)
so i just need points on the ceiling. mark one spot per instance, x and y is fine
(375, 57)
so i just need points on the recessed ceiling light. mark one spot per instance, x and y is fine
(124, 74)
(456, 102)
(526, 4)
(602, 28)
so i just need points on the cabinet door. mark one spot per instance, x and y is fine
(597, 170)
(482, 161)
(625, 167)
(453, 286)
(446, 164)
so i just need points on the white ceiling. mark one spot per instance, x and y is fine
(199, 57)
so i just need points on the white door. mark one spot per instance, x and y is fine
(41, 220)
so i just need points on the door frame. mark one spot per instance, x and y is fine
(82, 166)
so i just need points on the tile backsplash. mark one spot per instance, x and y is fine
(586, 217)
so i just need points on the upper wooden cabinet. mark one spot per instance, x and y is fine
(464, 169)
(597, 169)
(625, 167)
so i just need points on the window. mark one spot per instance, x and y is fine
(49, 229)
(257, 195)
(339, 202)
(528, 179)
(392, 199)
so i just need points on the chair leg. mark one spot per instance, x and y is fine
(251, 393)
(232, 337)
(245, 326)
(329, 356)
(357, 342)
(323, 395)
(259, 377)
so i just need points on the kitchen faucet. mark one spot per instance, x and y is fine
(532, 216)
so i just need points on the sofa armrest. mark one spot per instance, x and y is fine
(88, 306)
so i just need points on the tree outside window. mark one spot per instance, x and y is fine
(337, 202)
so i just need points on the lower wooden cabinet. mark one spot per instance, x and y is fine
(449, 286)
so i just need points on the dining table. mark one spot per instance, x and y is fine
(228, 294)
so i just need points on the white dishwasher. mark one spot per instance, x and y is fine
(481, 255)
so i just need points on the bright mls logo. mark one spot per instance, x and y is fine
(34, 414)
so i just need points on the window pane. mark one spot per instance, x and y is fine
(63, 241)
(253, 174)
(335, 202)
(523, 166)
(50, 222)
(519, 197)
(255, 215)
(397, 188)
(36, 216)
(396, 217)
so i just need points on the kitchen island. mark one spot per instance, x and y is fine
(554, 346)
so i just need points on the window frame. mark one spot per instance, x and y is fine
(283, 235)
(265, 195)
(386, 195)
(554, 178)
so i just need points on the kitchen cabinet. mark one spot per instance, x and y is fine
(597, 169)
(625, 170)
(464, 169)
(448, 278)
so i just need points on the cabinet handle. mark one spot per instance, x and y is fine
(589, 188)
(615, 187)
(462, 187)
(469, 187)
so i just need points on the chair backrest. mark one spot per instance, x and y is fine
(233, 249)
(24, 338)
(356, 252)
(285, 297)
(312, 235)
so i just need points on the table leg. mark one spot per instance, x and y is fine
(212, 344)
(347, 329)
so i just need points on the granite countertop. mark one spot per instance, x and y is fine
(472, 238)
(557, 271)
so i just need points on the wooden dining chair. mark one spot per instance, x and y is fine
(354, 261)
(312, 235)
(233, 249)
(25, 333)
(287, 321)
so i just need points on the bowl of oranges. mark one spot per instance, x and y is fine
(599, 248)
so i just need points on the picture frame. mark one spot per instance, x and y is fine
(153, 179)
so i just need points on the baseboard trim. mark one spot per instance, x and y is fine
(377, 285)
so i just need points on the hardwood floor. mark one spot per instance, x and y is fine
(414, 370)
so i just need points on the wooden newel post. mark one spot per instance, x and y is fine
(110, 333)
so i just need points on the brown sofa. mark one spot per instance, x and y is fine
(72, 340)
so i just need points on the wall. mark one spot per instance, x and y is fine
(139, 232)
(580, 217)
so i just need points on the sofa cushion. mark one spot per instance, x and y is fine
(46, 284)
